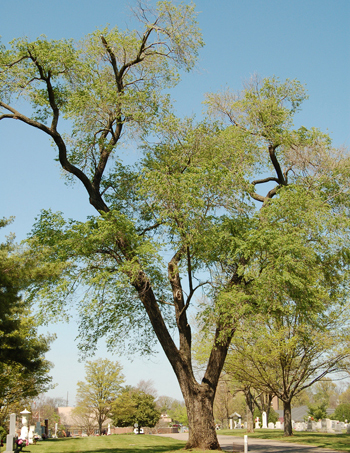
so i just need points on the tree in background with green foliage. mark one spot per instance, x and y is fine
(17, 325)
(184, 219)
(284, 355)
(46, 408)
(173, 408)
(103, 383)
(134, 407)
(342, 413)
(317, 411)
(344, 397)
(23, 368)
(325, 391)
(178, 413)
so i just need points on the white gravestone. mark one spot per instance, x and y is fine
(264, 421)
(257, 423)
(338, 427)
(12, 434)
(330, 424)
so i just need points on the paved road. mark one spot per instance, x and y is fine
(235, 444)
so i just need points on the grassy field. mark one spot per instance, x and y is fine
(153, 444)
(333, 441)
(107, 444)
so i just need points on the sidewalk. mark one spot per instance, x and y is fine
(235, 444)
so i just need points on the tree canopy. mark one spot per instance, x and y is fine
(342, 412)
(102, 385)
(24, 371)
(133, 407)
(284, 355)
(186, 217)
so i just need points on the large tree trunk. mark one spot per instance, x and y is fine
(199, 404)
(287, 415)
(199, 398)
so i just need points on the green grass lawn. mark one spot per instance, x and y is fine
(153, 444)
(333, 441)
(107, 444)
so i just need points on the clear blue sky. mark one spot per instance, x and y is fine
(304, 39)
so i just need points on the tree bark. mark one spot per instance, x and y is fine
(199, 400)
(250, 409)
(287, 416)
(199, 397)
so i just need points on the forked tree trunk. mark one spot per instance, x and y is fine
(199, 398)
(287, 415)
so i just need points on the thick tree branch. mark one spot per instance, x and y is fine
(217, 357)
(275, 163)
(185, 335)
(19, 116)
(94, 196)
(262, 181)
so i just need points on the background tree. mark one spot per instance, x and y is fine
(342, 412)
(101, 386)
(84, 419)
(326, 392)
(178, 413)
(190, 198)
(344, 397)
(286, 358)
(164, 403)
(46, 408)
(16, 274)
(134, 406)
(317, 411)
(147, 387)
(18, 386)
(303, 398)
(24, 372)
